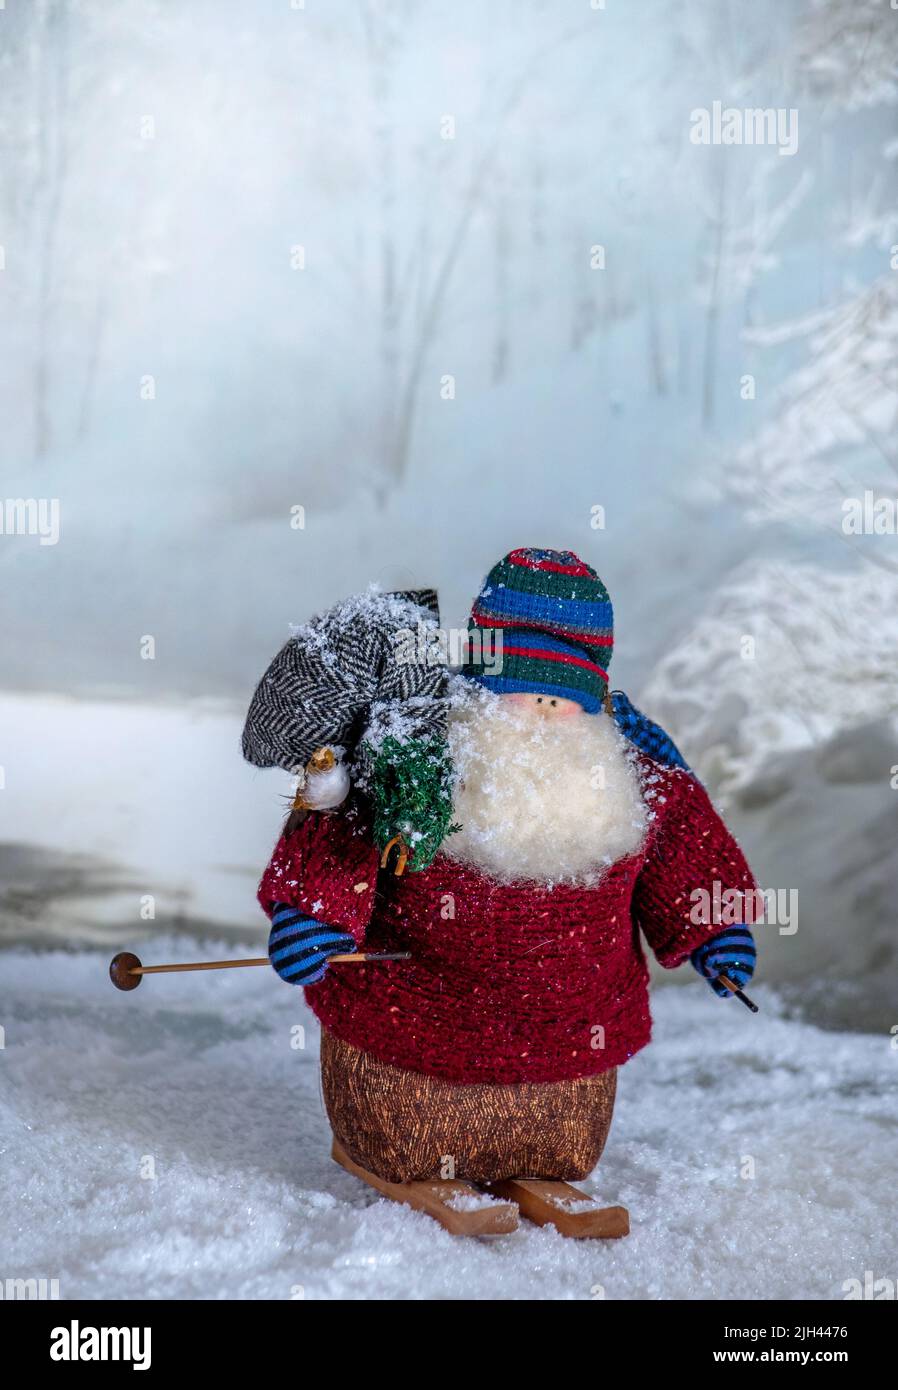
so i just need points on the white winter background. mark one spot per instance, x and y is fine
(300, 297)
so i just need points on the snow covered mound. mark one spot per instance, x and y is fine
(786, 656)
(822, 823)
(171, 1143)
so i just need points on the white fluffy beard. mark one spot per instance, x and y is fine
(552, 800)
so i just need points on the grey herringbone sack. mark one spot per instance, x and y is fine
(337, 681)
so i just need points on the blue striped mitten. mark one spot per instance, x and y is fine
(299, 946)
(731, 952)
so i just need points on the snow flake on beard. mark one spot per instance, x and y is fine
(549, 801)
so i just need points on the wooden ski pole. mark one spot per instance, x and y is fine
(126, 970)
(734, 989)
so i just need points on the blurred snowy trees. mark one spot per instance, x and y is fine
(784, 691)
(250, 254)
(789, 653)
(836, 424)
(300, 224)
(835, 431)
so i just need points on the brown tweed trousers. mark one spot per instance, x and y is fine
(404, 1126)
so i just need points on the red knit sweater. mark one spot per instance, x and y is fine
(507, 982)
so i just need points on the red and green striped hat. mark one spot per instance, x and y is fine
(557, 627)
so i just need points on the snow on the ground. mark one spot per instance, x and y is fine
(197, 1076)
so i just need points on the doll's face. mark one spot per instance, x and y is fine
(545, 706)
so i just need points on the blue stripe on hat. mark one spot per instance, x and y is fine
(544, 642)
(522, 606)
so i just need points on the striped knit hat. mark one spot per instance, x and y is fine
(557, 628)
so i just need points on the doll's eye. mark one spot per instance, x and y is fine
(553, 702)
(539, 699)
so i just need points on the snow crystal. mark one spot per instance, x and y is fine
(469, 1201)
(399, 721)
(573, 1205)
(370, 606)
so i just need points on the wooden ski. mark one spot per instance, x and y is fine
(459, 1207)
(557, 1204)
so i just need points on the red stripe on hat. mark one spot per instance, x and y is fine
(520, 557)
(545, 655)
(554, 629)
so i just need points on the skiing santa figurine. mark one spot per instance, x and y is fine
(517, 831)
